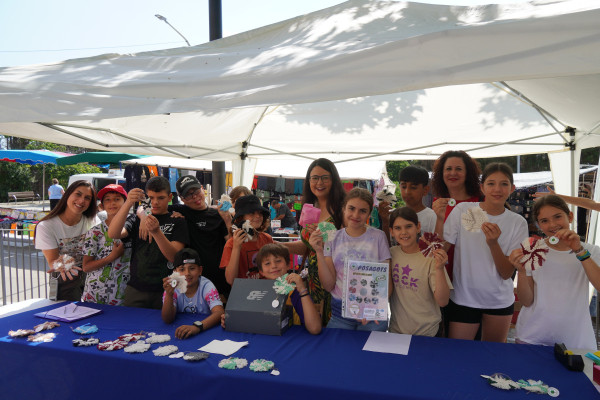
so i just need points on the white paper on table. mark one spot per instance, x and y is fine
(386, 342)
(224, 347)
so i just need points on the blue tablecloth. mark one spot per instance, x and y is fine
(331, 365)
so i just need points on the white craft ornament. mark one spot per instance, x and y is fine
(304, 273)
(275, 303)
(177, 355)
(42, 337)
(138, 347)
(45, 326)
(451, 202)
(154, 338)
(261, 365)
(473, 218)
(86, 342)
(553, 240)
(165, 350)
(282, 286)
(247, 226)
(64, 263)
(178, 282)
(504, 382)
(233, 363)
(21, 332)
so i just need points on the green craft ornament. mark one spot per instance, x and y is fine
(327, 230)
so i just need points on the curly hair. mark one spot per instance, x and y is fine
(473, 170)
(335, 199)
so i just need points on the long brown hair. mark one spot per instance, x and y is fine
(62, 203)
(473, 171)
(551, 200)
(335, 198)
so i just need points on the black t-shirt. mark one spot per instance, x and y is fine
(207, 236)
(288, 221)
(148, 265)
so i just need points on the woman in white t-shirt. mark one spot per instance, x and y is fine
(555, 294)
(62, 232)
(483, 289)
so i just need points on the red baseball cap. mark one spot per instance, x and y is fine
(112, 188)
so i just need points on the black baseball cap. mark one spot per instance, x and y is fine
(185, 183)
(186, 256)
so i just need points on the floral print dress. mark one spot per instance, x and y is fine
(107, 284)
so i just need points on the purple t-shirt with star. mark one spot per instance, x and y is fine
(371, 246)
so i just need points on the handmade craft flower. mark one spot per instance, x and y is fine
(177, 355)
(327, 231)
(86, 329)
(534, 253)
(21, 333)
(45, 326)
(196, 356)
(65, 263)
(429, 242)
(178, 282)
(111, 345)
(451, 202)
(282, 286)
(553, 240)
(246, 227)
(138, 347)
(233, 363)
(42, 337)
(261, 365)
(304, 273)
(165, 350)
(473, 218)
(130, 337)
(504, 382)
(86, 342)
(154, 338)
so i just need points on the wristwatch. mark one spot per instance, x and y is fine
(199, 325)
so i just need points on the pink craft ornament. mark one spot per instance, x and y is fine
(429, 242)
(309, 215)
(534, 253)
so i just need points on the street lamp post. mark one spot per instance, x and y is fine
(167, 22)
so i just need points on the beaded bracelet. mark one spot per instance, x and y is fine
(583, 256)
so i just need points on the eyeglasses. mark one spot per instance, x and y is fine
(323, 178)
(191, 195)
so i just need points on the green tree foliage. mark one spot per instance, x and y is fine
(22, 177)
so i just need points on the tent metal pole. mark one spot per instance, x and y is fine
(66, 132)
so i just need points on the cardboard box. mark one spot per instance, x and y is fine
(254, 307)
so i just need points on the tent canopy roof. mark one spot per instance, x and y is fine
(379, 79)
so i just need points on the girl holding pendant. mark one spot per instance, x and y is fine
(421, 283)
(555, 294)
(483, 289)
(63, 231)
(239, 253)
(357, 241)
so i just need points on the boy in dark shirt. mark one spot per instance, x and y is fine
(151, 261)
(208, 229)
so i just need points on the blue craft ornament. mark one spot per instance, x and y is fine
(86, 329)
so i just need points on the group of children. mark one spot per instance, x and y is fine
(480, 294)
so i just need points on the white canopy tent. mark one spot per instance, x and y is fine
(520, 74)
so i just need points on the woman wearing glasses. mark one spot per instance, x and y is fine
(324, 190)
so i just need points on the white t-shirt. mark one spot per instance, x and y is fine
(559, 312)
(55, 234)
(476, 280)
(371, 246)
(427, 218)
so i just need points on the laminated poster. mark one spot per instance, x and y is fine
(365, 292)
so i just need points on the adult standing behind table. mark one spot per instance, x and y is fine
(55, 193)
(322, 188)
(284, 215)
(455, 177)
(63, 231)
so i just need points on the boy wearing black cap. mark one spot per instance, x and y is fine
(201, 296)
(239, 254)
(208, 229)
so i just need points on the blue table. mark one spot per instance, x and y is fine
(331, 365)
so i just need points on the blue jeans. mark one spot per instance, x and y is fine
(338, 322)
